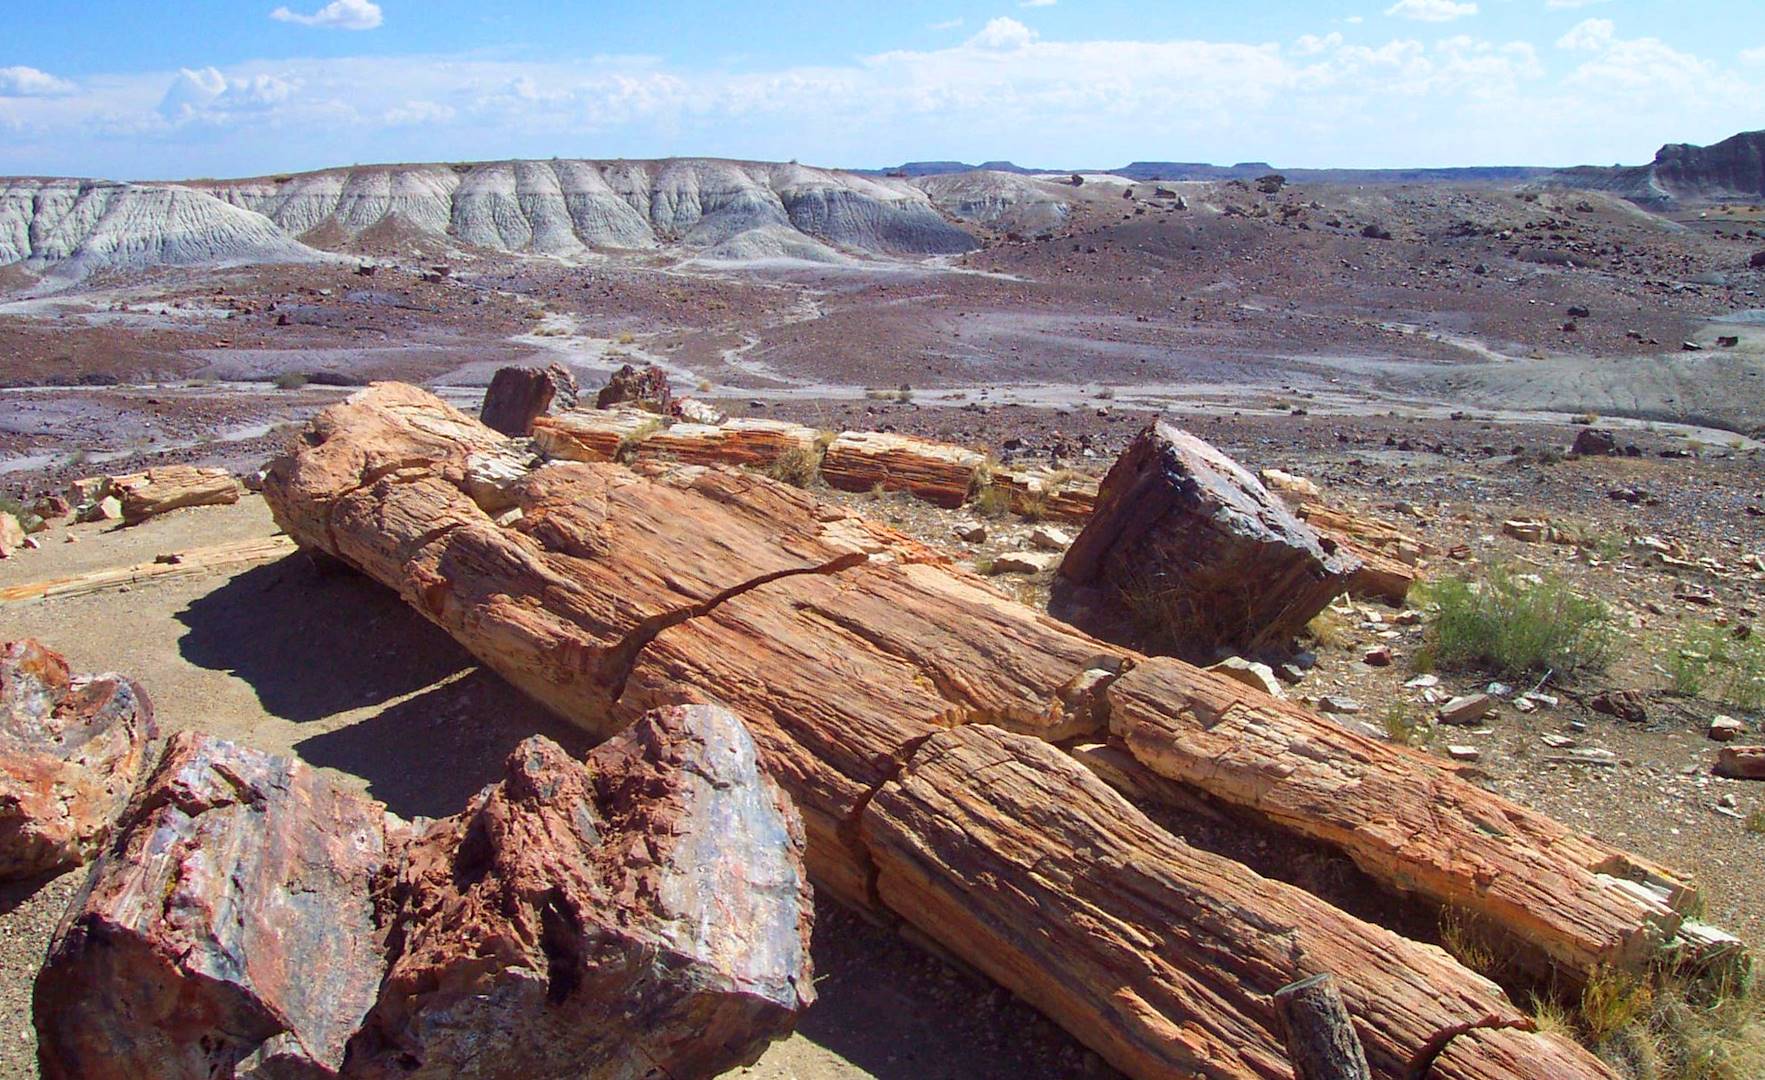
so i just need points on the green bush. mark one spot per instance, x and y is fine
(1518, 627)
(290, 380)
(1713, 661)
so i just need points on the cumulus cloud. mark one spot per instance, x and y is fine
(1589, 35)
(1312, 44)
(1003, 33)
(337, 15)
(1431, 10)
(21, 81)
(197, 92)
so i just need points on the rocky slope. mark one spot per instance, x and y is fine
(705, 208)
(1733, 169)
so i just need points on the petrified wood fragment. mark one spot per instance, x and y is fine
(171, 487)
(520, 395)
(230, 924)
(71, 749)
(939, 473)
(1230, 567)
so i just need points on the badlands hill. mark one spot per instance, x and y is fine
(1731, 170)
(721, 210)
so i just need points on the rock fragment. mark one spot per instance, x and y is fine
(1466, 709)
(644, 388)
(71, 748)
(520, 395)
(1741, 762)
(171, 487)
(1177, 520)
(1252, 674)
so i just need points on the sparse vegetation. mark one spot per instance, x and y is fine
(1756, 822)
(626, 337)
(798, 466)
(626, 452)
(1676, 1029)
(291, 380)
(1328, 629)
(992, 501)
(1518, 625)
(1462, 936)
(1711, 661)
(1405, 726)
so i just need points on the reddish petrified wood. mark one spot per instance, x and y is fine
(71, 749)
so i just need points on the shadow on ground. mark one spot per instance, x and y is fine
(313, 641)
(426, 755)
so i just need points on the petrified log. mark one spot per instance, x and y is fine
(745, 440)
(1402, 817)
(520, 395)
(644, 388)
(643, 914)
(1318, 1032)
(192, 563)
(1230, 567)
(844, 644)
(230, 925)
(171, 487)
(1054, 493)
(1380, 576)
(939, 473)
(71, 748)
(1363, 532)
(592, 434)
(1741, 762)
(1158, 956)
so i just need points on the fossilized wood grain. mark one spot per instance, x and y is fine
(1401, 816)
(1157, 955)
(171, 487)
(194, 563)
(939, 473)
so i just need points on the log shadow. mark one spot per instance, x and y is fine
(314, 641)
(426, 755)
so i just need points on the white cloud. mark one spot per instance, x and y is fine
(1037, 3)
(24, 81)
(1431, 10)
(1560, 4)
(947, 24)
(337, 15)
(205, 93)
(1589, 35)
(1312, 45)
(1754, 56)
(1003, 34)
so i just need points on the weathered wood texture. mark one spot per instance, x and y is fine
(194, 563)
(1047, 492)
(939, 473)
(591, 434)
(171, 487)
(1158, 956)
(1318, 1031)
(643, 913)
(845, 645)
(1402, 816)
(1389, 556)
(520, 395)
(71, 748)
(1178, 519)
(752, 441)
(231, 920)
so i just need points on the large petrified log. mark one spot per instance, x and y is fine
(1158, 956)
(844, 644)
(645, 913)
(520, 395)
(1403, 817)
(939, 473)
(71, 748)
(172, 487)
(1229, 567)
(229, 926)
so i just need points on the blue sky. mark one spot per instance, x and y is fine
(207, 88)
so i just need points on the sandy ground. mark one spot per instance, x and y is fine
(292, 659)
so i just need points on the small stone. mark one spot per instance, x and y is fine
(1292, 674)
(1557, 742)
(1463, 753)
(1627, 705)
(1250, 673)
(1422, 682)
(1726, 729)
(1380, 657)
(1048, 538)
(1524, 705)
(972, 532)
(1331, 703)
(1025, 562)
(1466, 709)
(1530, 532)
(1498, 689)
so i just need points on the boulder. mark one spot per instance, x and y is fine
(1741, 762)
(1025, 562)
(643, 914)
(519, 395)
(71, 748)
(171, 487)
(645, 388)
(1725, 729)
(1592, 442)
(228, 930)
(1184, 529)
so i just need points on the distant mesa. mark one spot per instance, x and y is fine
(1733, 169)
(696, 208)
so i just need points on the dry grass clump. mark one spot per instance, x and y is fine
(626, 452)
(1712, 661)
(798, 466)
(1676, 1029)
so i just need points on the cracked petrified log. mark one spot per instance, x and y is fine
(229, 926)
(842, 643)
(643, 913)
(71, 749)
(520, 395)
(942, 474)
(1182, 529)
(645, 388)
(172, 487)
(1159, 956)
(1403, 817)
